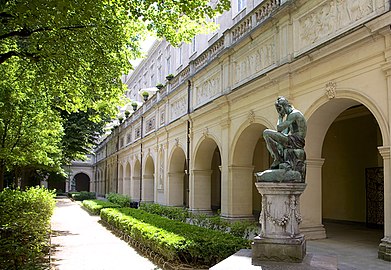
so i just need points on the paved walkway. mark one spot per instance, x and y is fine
(81, 243)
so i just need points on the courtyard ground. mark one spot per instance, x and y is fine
(80, 242)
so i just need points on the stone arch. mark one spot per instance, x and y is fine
(82, 181)
(333, 116)
(205, 183)
(249, 155)
(323, 112)
(148, 180)
(176, 187)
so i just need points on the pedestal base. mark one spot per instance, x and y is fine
(281, 250)
(384, 252)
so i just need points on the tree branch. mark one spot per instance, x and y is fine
(26, 32)
(5, 56)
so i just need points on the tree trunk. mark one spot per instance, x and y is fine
(2, 171)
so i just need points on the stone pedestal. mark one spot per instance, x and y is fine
(280, 238)
(384, 252)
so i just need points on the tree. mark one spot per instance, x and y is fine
(68, 56)
(80, 134)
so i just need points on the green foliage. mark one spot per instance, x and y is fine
(174, 240)
(25, 227)
(242, 229)
(61, 64)
(174, 213)
(94, 206)
(82, 195)
(122, 200)
(81, 131)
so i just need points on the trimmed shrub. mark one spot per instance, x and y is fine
(171, 212)
(25, 227)
(174, 240)
(82, 195)
(122, 200)
(243, 229)
(94, 206)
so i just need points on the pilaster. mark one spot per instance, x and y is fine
(240, 186)
(175, 188)
(201, 192)
(311, 201)
(384, 251)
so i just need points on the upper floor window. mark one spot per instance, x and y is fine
(180, 56)
(168, 65)
(238, 6)
(241, 5)
(193, 45)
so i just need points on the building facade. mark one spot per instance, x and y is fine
(198, 141)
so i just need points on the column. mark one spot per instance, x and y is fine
(384, 251)
(135, 188)
(148, 188)
(175, 188)
(126, 189)
(240, 192)
(201, 191)
(311, 201)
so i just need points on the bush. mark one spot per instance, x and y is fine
(94, 206)
(238, 228)
(25, 227)
(171, 212)
(174, 240)
(82, 195)
(122, 200)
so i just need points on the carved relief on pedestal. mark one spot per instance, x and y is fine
(331, 18)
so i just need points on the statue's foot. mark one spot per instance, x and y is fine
(284, 165)
(275, 165)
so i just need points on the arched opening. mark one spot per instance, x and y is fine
(249, 156)
(148, 184)
(82, 182)
(177, 188)
(135, 182)
(206, 177)
(342, 149)
(351, 169)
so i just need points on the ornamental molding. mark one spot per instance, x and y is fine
(330, 89)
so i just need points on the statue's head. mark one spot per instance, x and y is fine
(283, 104)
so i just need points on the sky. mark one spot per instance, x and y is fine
(145, 46)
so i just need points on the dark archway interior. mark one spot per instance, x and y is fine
(82, 182)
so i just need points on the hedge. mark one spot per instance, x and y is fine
(244, 229)
(25, 227)
(171, 212)
(174, 240)
(94, 206)
(122, 200)
(82, 195)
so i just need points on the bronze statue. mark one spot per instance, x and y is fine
(286, 145)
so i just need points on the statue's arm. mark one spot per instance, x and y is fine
(285, 125)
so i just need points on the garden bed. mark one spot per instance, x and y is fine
(175, 241)
(95, 206)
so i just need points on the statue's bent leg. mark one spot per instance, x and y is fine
(274, 143)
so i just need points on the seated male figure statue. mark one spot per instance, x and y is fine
(286, 144)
